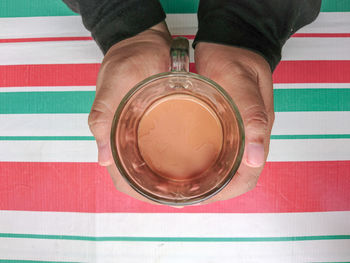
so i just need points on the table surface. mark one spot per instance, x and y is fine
(57, 204)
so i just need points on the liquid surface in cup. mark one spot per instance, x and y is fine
(179, 136)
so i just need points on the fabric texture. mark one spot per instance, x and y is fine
(261, 26)
(58, 205)
(111, 21)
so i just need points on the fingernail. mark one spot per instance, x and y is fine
(178, 207)
(104, 156)
(255, 154)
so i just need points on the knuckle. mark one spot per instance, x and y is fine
(272, 116)
(95, 117)
(116, 184)
(251, 184)
(116, 65)
(100, 111)
(256, 119)
(98, 121)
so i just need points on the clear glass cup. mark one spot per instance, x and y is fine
(124, 134)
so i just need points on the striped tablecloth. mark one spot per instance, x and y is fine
(58, 205)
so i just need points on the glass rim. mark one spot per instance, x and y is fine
(201, 197)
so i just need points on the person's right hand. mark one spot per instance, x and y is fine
(247, 78)
(125, 64)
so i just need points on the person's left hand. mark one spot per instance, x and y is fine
(247, 78)
(125, 64)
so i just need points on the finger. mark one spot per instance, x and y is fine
(116, 77)
(122, 186)
(266, 90)
(243, 181)
(256, 130)
(111, 87)
(114, 81)
(246, 94)
(100, 119)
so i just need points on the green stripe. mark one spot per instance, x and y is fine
(176, 239)
(47, 138)
(91, 138)
(310, 136)
(28, 261)
(180, 6)
(335, 6)
(46, 102)
(286, 100)
(27, 8)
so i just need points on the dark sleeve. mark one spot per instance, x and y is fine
(111, 21)
(262, 26)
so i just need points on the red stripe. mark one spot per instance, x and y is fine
(321, 35)
(313, 71)
(48, 75)
(186, 36)
(329, 35)
(86, 187)
(85, 74)
(44, 39)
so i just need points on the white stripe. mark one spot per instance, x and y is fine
(93, 88)
(68, 26)
(309, 150)
(308, 251)
(182, 24)
(67, 52)
(48, 250)
(309, 86)
(175, 225)
(293, 123)
(316, 49)
(286, 123)
(52, 88)
(183, 224)
(50, 26)
(86, 151)
(174, 252)
(44, 125)
(329, 22)
(48, 151)
(53, 52)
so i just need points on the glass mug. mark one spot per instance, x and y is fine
(177, 138)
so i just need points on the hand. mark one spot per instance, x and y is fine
(247, 78)
(125, 64)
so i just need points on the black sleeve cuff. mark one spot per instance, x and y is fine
(127, 21)
(236, 32)
(111, 21)
(261, 26)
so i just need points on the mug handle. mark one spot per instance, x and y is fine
(179, 53)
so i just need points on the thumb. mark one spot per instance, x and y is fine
(256, 129)
(100, 120)
(246, 94)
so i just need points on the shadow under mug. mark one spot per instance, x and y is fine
(124, 134)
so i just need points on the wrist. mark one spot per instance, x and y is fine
(212, 57)
(160, 28)
(157, 35)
